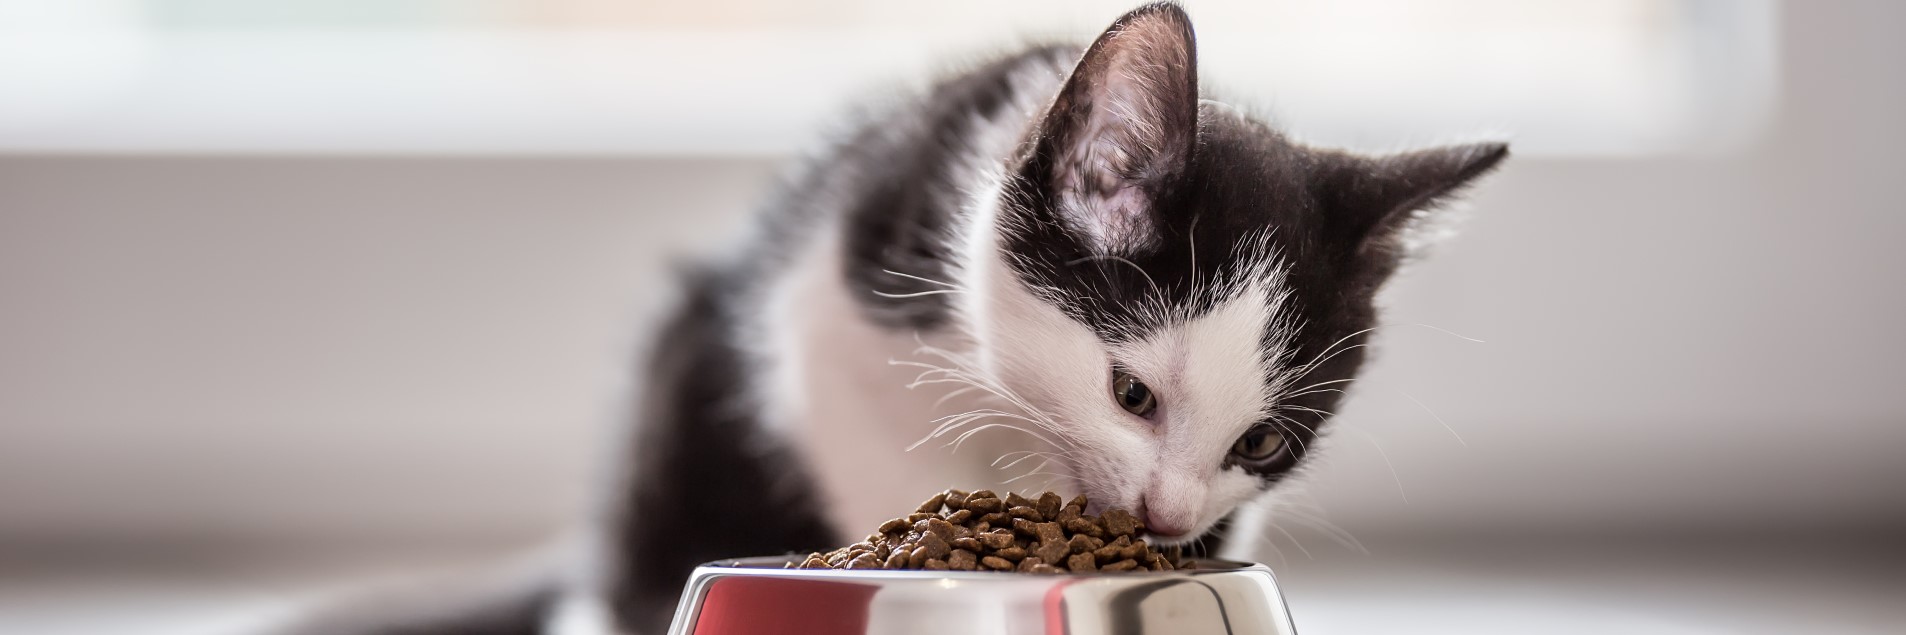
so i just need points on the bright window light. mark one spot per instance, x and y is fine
(1611, 77)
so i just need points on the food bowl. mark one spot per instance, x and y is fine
(758, 596)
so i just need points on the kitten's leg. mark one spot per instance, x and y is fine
(707, 481)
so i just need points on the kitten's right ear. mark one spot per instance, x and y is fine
(1121, 128)
(1375, 202)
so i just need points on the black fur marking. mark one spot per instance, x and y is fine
(707, 482)
(906, 195)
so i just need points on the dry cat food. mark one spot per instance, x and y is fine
(980, 531)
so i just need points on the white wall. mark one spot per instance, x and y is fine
(252, 348)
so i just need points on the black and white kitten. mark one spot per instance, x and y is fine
(1149, 294)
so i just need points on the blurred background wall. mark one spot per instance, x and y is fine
(376, 302)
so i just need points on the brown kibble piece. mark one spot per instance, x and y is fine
(1080, 543)
(864, 561)
(1025, 566)
(996, 563)
(955, 499)
(1046, 568)
(1013, 499)
(1014, 554)
(997, 519)
(815, 562)
(897, 559)
(1084, 525)
(915, 518)
(1081, 563)
(997, 539)
(959, 517)
(935, 565)
(1049, 532)
(895, 525)
(984, 505)
(1025, 512)
(1119, 522)
(1068, 513)
(935, 546)
(939, 527)
(962, 560)
(968, 543)
(1052, 551)
(1122, 565)
(1079, 502)
(932, 505)
(1106, 553)
(1024, 527)
(1048, 505)
(1134, 551)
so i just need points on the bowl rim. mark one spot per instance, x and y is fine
(776, 566)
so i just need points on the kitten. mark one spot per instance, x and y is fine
(1150, 294)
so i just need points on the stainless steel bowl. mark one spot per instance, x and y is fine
(757, 596)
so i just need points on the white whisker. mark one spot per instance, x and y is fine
(1439, 418)
(1156, 290)
(1386, 461)
(922, 279)
(917, 294)
(1294, 541)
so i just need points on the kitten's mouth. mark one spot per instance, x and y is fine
(1153, 536)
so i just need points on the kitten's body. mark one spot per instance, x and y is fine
(794, 338)
(1019, 239)
(835, 343)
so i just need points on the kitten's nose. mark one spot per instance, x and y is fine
(1164, 525)
(1172, 501)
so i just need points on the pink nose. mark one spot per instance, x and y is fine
(1162, 525)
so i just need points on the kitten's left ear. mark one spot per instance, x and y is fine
(1375, 202)
(1121, 128)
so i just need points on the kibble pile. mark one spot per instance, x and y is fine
(980, 531)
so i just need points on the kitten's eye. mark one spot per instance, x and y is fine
(1132, 395)
(1258, 443)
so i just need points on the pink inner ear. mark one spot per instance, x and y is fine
(1121, 143)
(1138, 90)
(1115, 219)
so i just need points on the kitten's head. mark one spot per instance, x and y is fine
(1179, 289)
